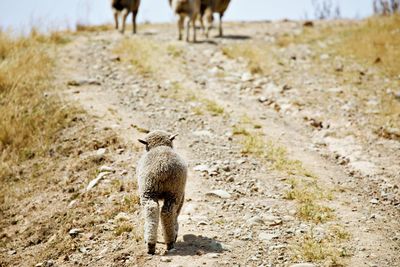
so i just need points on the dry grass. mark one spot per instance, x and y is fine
(30, 114)
(257, 56)
(93, 28)
(327, 250)
(151, 57)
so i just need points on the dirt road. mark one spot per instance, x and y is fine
(275, 178)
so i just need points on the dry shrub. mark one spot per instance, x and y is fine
(30, 115)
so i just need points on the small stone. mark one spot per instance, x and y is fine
(202, 223)
(124, 172)
(72, 203)
(246, 77)
(262, 99)
(267, 236)
(95, 181)
(219, 193)
(201, 168)
(255, 220)
(213, 255)
(83, 250)
(226, 168)
(106, 169)
(75, 232)
(374, 201)
(12, 252)
(165, 259)
(101, 151)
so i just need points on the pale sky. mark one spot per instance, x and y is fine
(57, 14)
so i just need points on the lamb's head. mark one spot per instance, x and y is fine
(157, 138)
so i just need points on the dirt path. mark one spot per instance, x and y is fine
(207, 98)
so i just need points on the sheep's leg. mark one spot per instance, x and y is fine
(134, 13)
(180, 204)
(180, 26)
(188, 29)
(151, 213)
(220, 24)
(125, 15)
(168, 220)
(116, 13)
(194, 27)
(203, 29)
(209, 16)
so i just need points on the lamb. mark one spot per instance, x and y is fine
(161, 175)
(186, 8)
(126, 6)
(208, 7)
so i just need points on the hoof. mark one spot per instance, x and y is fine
(151, 249)
(170, 245)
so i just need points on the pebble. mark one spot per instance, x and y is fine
(101, 151)
(255, 220)
(106, 169)
(95, 181)
(201, 168)
(12, 252)
(219, 193)
(165, 259)
(374, 201)
(213, 255)
(267, 236)
(75, 232)
(246, 77)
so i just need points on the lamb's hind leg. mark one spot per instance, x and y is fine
(169, 221)
(178, 210)
(151, 213)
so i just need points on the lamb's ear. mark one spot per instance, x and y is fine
(143, 142)
(172, 137)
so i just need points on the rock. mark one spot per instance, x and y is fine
(124, 172)
(165, 259)
(101, 151)
(324, 56)
(226, 168)
(255, 220)
(203, 133)
(72, 203)
(374, 201)
(262, 99)
(213, 255)
(11, 252)
(246, 77)
(75, 232)
(267, 236)
(202, 223)
(95, 181)
(306, 264)
(83, 250)
(219, 193)
(201, 168)
(106, 169)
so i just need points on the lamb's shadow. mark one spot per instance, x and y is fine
(234, 37)
(196, 245)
